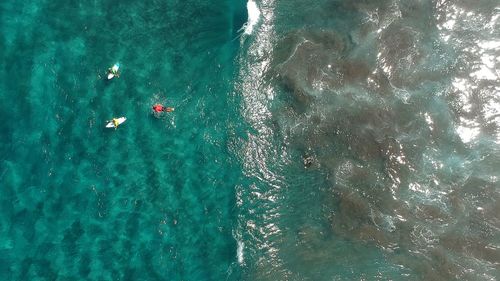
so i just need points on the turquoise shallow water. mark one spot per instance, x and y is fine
(152, 200)
(332, 141)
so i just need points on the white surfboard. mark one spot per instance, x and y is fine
(114, 69)
(120, 120)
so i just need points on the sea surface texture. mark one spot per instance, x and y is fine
(311, 140)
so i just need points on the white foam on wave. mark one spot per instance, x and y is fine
(253, 16)
(239, 251)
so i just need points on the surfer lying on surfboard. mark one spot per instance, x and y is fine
(157, 108)
(115, 122)
(113, 71)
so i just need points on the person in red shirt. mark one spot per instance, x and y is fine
(159, 108)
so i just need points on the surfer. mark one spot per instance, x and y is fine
(157, 108)
(115, 122)
(113, 71)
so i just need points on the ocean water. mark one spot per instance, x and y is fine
(311, 140)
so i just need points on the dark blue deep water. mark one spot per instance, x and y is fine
(311, 140)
